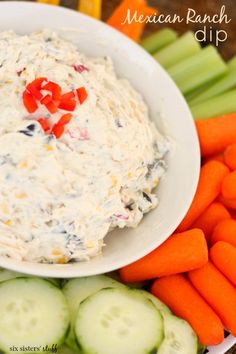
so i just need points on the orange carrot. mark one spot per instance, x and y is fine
(119, 14)
(230, 157)
(177, 293)
(181, 252)
(217, 157)
(228, 203)
(233, 214)
(135, 29)
(228, 188)
(215, 134)
(210, 218)
(223, 255)
(209, 185)
(218, 292)
(225, 231)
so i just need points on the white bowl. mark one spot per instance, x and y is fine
(167, 108)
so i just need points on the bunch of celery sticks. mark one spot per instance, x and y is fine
(206, 81)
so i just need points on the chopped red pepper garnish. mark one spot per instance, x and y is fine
(35, 86)
(37, 83)
(53, 101)
(68, 95)
(82, 94)
(44, 124)
(51, 107)
(54, 88)
(68, 102)
(67, 105)
(34, 92)
(46, 99)
(65, 119)
(29, 102)
(58, 130)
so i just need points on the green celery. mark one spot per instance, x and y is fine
(224, 84)
(182, 48)
(191, 95)
(232, 63)
(158, 40)
(197, 70)
(216, 106)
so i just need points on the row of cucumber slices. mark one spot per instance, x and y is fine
(92, 315)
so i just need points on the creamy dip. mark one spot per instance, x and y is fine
(60, 197)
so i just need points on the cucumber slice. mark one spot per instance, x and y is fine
(76, 290)
(118, 321)
(33, 313)
(6, 274)
(156, 302)
(179, 337)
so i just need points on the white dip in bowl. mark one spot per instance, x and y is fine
(60, 196)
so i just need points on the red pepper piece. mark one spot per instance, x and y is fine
(68, 102)
(37, 83)
(51, 107)
(34, 92)
(46, 99)
(35, 86)
(68, 96)
(58, 130)
(44, 124)
(67, 105)
(65, 119)
(82, 94)
(54, 88)
(29, 102)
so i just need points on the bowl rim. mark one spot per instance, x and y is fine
(72, 269)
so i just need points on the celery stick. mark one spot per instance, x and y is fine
(158, 40)
(232, 63)
(197, 70)
(193, 94)
(215, 106)
(224, 84)
(182, 48)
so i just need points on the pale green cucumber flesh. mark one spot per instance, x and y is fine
(118, 321)
(76, 290)
(33, 313)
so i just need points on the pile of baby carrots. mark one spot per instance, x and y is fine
(194, 271)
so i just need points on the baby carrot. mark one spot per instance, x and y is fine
(230, 157)
(181, 252)
(217, 157)
(225, 231)
(228, 203)
(210, 218)
(215, 134)
(219, 293)
(119, 14)
(211, 176)
(228, 188)
(223, 255)
(233, 214)
(177, 293)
